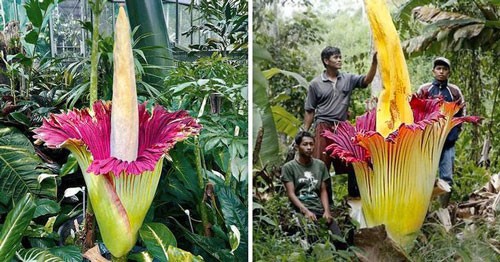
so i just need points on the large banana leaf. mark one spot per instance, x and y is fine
(15, 224)
(285, 122)
(300, 79)
(453, 31)
(148, 15)
(19, 172)
(263, 115)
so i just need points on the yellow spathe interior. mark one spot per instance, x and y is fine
(124, 113)
(393, 108)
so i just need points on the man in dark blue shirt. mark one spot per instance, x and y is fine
(450, 93)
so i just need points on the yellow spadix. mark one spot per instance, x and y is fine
(393, 108)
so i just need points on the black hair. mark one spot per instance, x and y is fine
(302, 134)
(328, 52)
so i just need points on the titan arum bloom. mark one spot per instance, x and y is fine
(395, 150)
(120, 148)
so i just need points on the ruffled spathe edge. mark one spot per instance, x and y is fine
(346, 139)
(158, 133)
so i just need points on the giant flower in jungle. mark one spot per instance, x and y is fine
(120, 147)
(396, 174)
(395, 149)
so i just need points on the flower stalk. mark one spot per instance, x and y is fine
(97, 6)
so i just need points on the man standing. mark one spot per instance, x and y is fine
(450, 93)
(327, 102)
(304, 179)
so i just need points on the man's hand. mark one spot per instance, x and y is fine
(373, 69)
(310, 215)
(327, 216)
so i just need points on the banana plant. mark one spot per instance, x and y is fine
(120, 148)
(148, 17)
(395, 149)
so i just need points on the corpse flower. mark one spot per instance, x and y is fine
(395, 150)
(120, 148)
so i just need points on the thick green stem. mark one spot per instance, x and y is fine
(96, 7)
(201, 182)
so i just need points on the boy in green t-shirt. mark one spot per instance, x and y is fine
(304, 179)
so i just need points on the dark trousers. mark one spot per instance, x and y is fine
(339, 165)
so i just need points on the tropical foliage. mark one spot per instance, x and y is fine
(473, 70)
(226, 24)
(200, 209)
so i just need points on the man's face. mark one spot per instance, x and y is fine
(335, 61)
(441, 72)
(306, 147)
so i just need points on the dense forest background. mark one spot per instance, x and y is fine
(288, 39)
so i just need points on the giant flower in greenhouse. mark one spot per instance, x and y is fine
(395, 149)
(120, 148)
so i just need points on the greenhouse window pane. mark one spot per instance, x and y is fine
(185, 24)
(169, 13)
(67, 33)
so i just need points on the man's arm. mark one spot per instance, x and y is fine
(290, 191)
(324, 201)
(308, 119)
(373, 69)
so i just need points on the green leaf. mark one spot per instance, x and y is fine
(15, 224)
(285, 122)
(157, 238)
(234, 238)
(180, 187)
(46, 206)
(70, 167)
(21, 118)
(263, 119)
(261, 54)
(143, 256)
(235, 214)
(34, 13)
(177, 254)
(211, 245)
(18, 167)
(268, 74)
(302, 81)
(37, 254)
(211, 143)
(31, 37)
(67, 253)
(44, 5)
